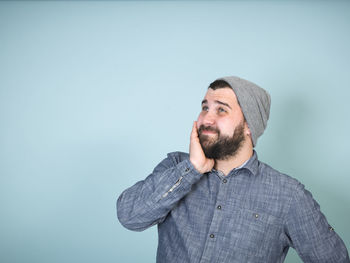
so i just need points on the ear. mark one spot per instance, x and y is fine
(246, 129)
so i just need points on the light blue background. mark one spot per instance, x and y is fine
(94, 94)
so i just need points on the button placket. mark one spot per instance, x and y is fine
(216, 222)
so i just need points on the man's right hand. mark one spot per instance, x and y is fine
(197, 156)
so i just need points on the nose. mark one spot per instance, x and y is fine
(209, 119)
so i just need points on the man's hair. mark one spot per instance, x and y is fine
(219, 84)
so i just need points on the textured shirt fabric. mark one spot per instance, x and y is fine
(254, 214)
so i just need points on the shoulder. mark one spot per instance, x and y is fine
(281, 190)
(279, 180)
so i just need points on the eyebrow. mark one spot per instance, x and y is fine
(218, 102)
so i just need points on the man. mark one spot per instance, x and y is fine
(220, 203)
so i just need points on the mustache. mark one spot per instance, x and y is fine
(207, 128)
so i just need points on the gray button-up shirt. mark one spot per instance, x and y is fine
(254, 214)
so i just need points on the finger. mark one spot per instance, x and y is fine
(194, 132)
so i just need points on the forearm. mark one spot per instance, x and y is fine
(149, 201)
(313, 238)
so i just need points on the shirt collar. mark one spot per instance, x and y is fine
(252, 164)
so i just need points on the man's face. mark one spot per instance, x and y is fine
(221, 126)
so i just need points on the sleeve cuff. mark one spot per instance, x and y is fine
(188, 171)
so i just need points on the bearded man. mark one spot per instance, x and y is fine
(219, 203)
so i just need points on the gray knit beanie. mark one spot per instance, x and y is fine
(255, 104)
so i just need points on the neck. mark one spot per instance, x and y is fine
(226, 166)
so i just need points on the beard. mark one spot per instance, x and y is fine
(224, 146)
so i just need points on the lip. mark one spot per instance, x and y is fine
(208, 132)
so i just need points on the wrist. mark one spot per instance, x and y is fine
(195, 165)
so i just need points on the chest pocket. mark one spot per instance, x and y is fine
(252, 232)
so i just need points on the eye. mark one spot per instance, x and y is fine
(205, 108)
(221, 110)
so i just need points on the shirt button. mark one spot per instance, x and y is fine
(219, 207)
(224, 181)
(212, 236)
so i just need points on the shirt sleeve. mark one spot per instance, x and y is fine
(149, 201)
(311, 235)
